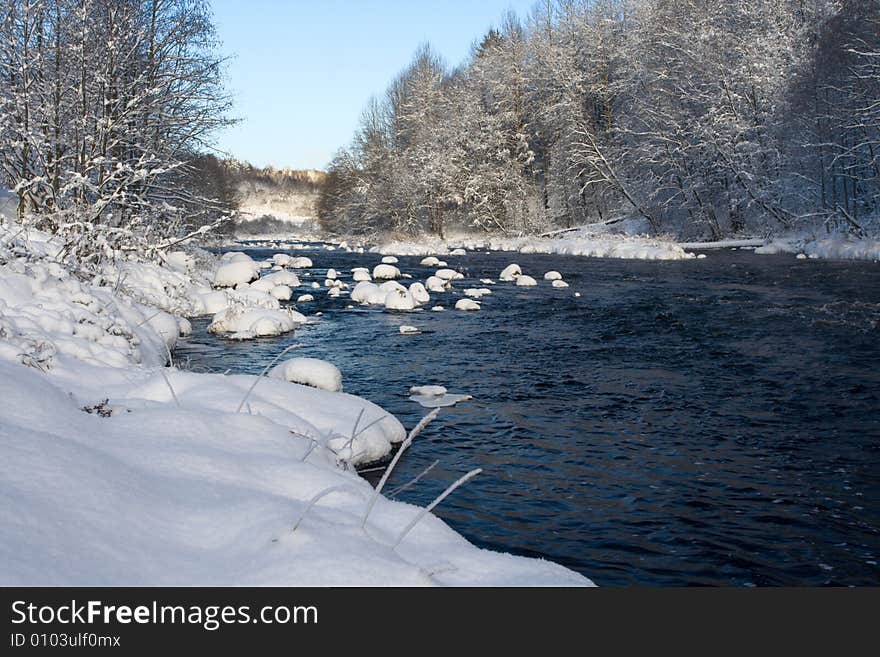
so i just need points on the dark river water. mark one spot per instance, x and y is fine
(704, 422)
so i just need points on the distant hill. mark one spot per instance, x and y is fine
(274, 200)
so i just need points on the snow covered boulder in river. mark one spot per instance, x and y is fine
(448, 275)
(419, 293)
(389, 260)
(309, 372)
(386, 272)
(435, 284)
(361, 274)
(235, 271)
(526, 281)
(243, 323)
(510, 273)
(552, 276)
(430, 261)
(281, 292)
(368, 293)
(399, 300)
(560, 284)
(467, 304)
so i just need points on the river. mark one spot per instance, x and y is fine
(699, 422)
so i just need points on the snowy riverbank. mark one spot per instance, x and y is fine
(117, 470)
(612, 245)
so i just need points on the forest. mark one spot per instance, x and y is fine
(692, 118)
(107, 108)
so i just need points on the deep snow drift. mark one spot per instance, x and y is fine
(117, 470)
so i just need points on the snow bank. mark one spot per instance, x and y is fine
(827, 248)
(577, 243)
(146, 475)
(155, 495)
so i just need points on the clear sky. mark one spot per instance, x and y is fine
(302, 70)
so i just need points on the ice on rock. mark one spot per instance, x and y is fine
(477, 293)
(458, 252)
(438, 309)
(419, 293)
(408, 330)
(305, 298)
(386, 272)
(432, 397)
(389, 260)
(309, 372)
(526, 281)
(487, 281)
(430, 261)
(332, 274)
(467, 304)
(428, 391)
(552, 276)
(510, 273)
(560, 284)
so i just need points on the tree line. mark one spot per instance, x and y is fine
(698, 118)
(106, 107)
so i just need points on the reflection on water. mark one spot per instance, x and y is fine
(701, 422)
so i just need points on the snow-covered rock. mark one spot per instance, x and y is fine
(552, 276)
(419, 293)
(448, 274)
(467, 304)
(510, 273)
(361, 274)
(305, 298)
(399, 300)
(389, 260)
(559, 284)
(430, 261)
(436, 284)
(281, 292)
(309, 372)
(236, 271)
(386, 272)
(526, 281)
(244, 322)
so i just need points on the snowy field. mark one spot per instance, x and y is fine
(118, 470)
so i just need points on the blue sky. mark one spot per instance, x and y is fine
(304, 69)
